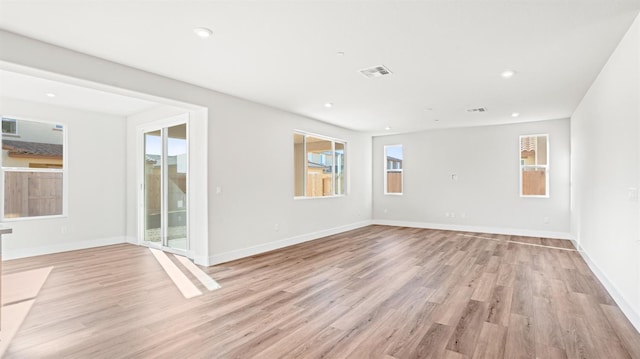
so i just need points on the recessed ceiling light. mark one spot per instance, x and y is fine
(340, 53)
(50, 94)
(328, 104)
(203, 32)
(436, 120)
(387, 128)
(515, 114)
(507, 74)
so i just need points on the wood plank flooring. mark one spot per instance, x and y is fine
(375, 292)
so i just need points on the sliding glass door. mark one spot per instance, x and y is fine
(164, 187)
(153, 164)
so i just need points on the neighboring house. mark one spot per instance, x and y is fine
(31, 144)
(393, 163)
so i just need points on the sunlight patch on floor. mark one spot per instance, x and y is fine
(19, 292)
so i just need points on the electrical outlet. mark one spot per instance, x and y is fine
(218, 190)
(385, 210)
(545, 220)
(276, 227)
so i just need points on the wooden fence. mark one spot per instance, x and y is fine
(32, 194)
(534, 183)
(394, 182)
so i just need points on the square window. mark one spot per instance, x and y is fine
(319, 166)
(34, 170)
(9, 126)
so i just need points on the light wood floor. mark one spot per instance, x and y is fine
(376, 292)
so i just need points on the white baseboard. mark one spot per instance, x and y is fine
(201, 260)
(61, 247)
(465, 228)
(629, 312)
(131, 240)
(262, 248)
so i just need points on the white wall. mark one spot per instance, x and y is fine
(246, 141)
(254, 167)
(486, 197)
(96, 176)
(606, 164)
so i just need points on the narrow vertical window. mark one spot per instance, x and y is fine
(393, 177)
(534, 166)
(319, 166)
(34, 169)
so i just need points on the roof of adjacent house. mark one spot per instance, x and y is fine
(155, 160)
(316, 165)
(35, 149)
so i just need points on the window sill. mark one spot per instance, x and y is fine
(22, 219)
(323, 197)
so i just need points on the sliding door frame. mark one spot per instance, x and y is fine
(162, 126)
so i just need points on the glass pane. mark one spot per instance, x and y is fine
(39, 145)
(542, 150)
(534, 181)
(298, 164)
(340, 175)
(177, 161)
(32, 194)
(394, 157)
(9, 126)
(393, 170)
(319, 167)
(153, 186)
(533, 150)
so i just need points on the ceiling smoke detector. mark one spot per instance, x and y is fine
(375, 71)
(476, 110)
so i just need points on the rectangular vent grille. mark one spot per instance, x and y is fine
(375, 71)
(479, 109)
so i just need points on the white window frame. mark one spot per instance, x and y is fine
(64, 170)
(333, 140)
(545, 167)
(15, 120)
(386, 171)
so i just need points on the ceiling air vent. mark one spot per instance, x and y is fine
(375, 71)
(476, 110)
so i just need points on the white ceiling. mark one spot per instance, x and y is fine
(445, 55)
(35, 89)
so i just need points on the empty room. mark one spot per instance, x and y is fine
(320, 179)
